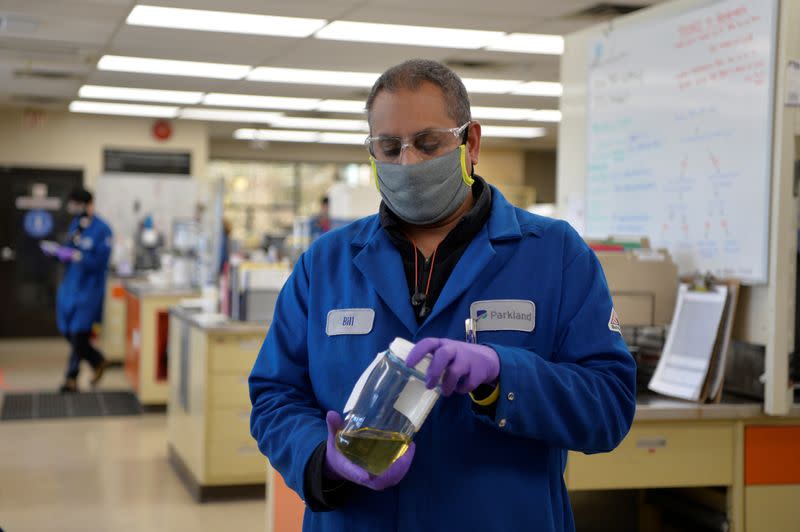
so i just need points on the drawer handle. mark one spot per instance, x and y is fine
(247, 449)
(651, 443)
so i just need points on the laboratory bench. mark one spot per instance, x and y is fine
(208, 412)
(146, 332)
(112, 331)
(678, 444)
(732, 445)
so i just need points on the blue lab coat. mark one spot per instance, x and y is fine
(568, 384)
(79, 302)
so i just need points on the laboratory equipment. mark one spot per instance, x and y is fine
(387, 407)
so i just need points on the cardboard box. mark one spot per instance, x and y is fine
(643, 284)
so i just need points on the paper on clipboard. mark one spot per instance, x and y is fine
(683, 367)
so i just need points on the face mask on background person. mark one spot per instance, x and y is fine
(424, 193)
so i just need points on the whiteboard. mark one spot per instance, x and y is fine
(166, 198)
(680, 136)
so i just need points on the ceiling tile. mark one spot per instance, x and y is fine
(197, 45)
(328, 9)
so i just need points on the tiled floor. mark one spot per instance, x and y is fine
(107, 474)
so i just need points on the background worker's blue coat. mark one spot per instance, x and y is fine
(79, 303)
(572, 378)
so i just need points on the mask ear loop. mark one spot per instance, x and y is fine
(374, 172)
(468, 177)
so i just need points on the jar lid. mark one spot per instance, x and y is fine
(401, 348)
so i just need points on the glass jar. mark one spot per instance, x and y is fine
(387, 407)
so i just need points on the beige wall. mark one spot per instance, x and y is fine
(72, 140)
(540, 173)
(499, 166)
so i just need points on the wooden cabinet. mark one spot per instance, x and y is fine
(209, 404)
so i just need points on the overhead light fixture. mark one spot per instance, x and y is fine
(313, 77)
(500, 113)
(228, 115)
(529, 43)
(260, 102)
(513, 132)
(171, 67)
(223, 21)
(342, 30)
(125, 109)
(99, 92)
(490, 86)
(342, 138)
(538, 88)
(335, 124)
(545, 115)
(341, 106)
(276, 135)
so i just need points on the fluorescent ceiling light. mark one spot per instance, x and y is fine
(501, 113)
(98, 92)
(530, 43)
(261, 102)
(296, 122)
(545, 115)
(274, 134)
(127, 109)
(342, 106)
(196, 19)
(538, 88)
(170, 67)
(490, 86)
(313, 77)
(513, 132)
(228, 115)
(342, 138)
(342, 30)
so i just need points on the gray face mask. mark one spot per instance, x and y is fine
(424, 193)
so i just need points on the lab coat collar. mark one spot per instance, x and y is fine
(381, 264)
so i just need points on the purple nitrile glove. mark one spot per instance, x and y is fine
(67, 254)
(338, 467)
(462, 367)
(49, 248)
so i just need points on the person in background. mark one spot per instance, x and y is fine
(321, 223)
(79, 302)
(550, 372)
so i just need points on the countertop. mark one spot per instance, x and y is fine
(660, 408)
(141, 288)
(231, 327)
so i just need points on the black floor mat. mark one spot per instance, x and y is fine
(49, 405)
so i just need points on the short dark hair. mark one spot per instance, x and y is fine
(410, 74)
(81, 195)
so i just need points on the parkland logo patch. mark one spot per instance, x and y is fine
(613, 322)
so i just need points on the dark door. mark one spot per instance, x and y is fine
(33, 205)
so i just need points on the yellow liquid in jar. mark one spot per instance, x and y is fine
(372, 449)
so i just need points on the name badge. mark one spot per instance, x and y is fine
(350, 321)
(504, 315)
(86, 242)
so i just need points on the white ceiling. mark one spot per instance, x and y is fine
(69, 36)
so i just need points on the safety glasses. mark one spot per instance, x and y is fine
(428, 143)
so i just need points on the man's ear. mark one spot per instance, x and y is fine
(474, 142)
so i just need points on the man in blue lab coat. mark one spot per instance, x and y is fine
(79, 302)
(549, 372)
